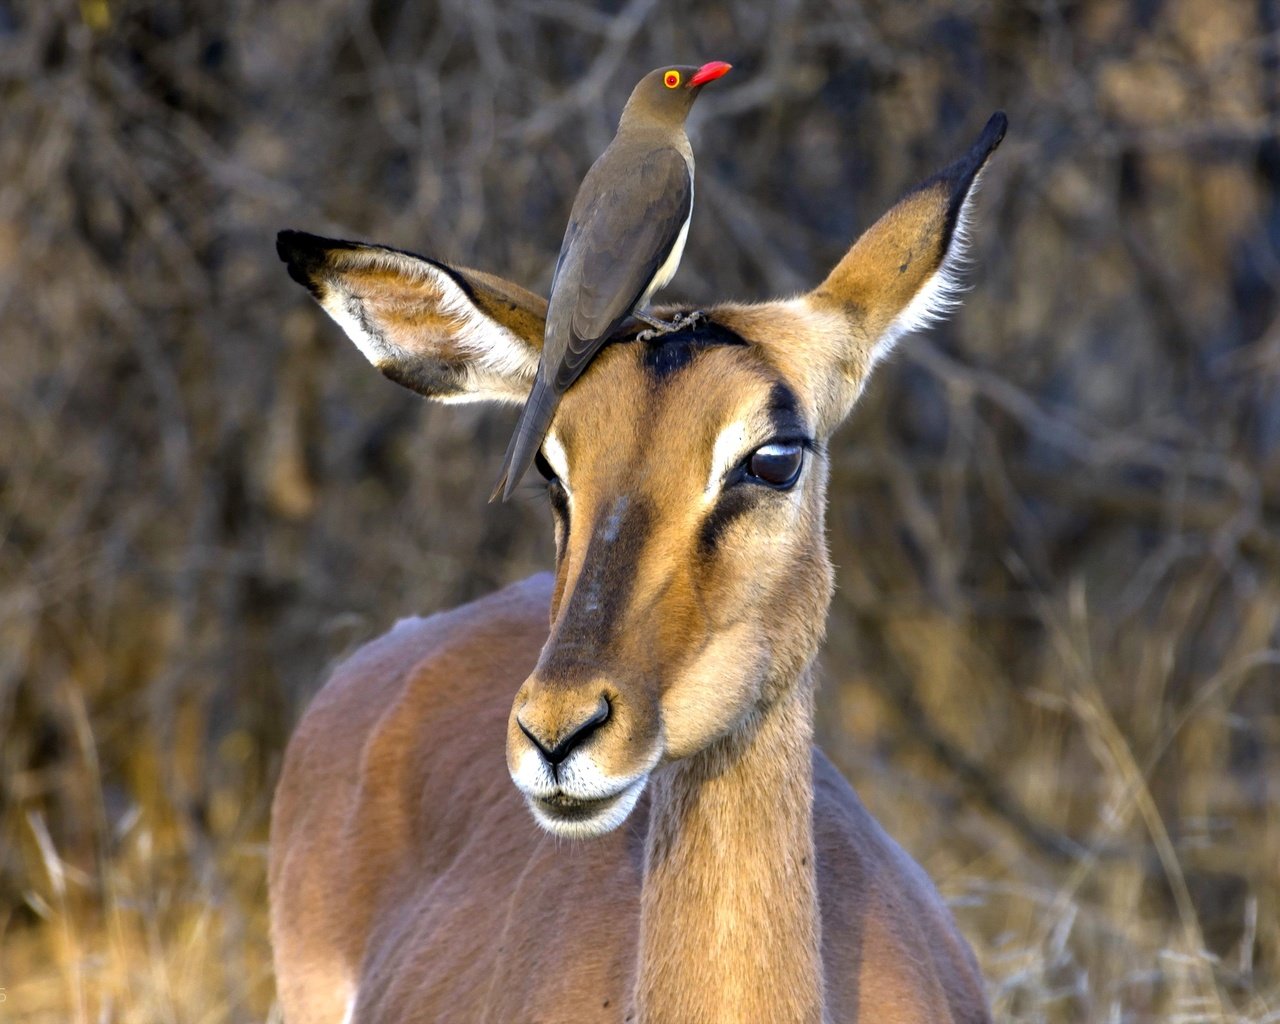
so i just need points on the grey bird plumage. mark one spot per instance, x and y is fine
(624, 240)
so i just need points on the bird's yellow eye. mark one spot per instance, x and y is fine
(671, 79)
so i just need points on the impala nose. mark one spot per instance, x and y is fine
(554, 750)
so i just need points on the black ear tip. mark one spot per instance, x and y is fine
(285, 243)
(293, 246)
(303, 254)
(961, 174)
(993, 133)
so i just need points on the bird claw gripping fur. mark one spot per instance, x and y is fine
(658, 328)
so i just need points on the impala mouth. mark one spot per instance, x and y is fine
(579, 818)
(571, 808)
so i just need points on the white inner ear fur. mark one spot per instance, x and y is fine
(497, 351)
(940, 296)
(341, 306)
(496, 355)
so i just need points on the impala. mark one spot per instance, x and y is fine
(674, 850)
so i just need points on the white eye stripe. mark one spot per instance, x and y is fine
(727, 452)
(553, 452)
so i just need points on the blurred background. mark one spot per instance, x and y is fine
(1054, 660)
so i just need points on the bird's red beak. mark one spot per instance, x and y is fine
(709, 73)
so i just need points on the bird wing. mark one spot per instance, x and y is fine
(617, 244)
(617, 239)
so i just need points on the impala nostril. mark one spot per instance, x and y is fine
(555, 753)
(531, 736)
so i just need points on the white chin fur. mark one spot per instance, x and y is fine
(606, 819)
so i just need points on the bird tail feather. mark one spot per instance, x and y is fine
(531, 428)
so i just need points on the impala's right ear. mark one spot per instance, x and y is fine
(901, 274)
(447, 333)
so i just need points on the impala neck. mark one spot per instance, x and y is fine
(729, 925)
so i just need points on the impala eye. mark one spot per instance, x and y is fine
(544, 467)
(777, 464)
(556, 493)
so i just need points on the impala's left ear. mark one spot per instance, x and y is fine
(448, 333)
(901, 274)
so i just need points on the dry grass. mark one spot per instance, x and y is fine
(1054, 665)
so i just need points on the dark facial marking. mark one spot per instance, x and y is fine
(733, 503)
(784, 413)
(591, 620)
(559, 500)
(671, 353)
(663, 360)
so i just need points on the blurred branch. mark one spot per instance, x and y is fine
(587, 90)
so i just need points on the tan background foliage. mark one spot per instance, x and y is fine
(1053, 667)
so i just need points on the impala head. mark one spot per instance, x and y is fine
(687, 477)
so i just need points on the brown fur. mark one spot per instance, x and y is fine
(748, 883)
(434, 892)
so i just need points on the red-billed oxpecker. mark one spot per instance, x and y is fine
(625, 237)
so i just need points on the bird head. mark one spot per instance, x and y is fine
(666, 94)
